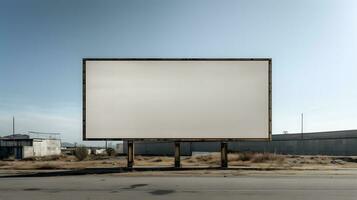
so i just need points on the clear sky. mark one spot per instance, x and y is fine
(313, 44)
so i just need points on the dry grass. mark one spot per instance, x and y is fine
(156, 160)
(44, 158)
(3, 164)
(81, 153)
(255, 157)
(153, 160)
(209, 159)
(235, 159)
(244, 159)
(98, 157)
(205, 158)
(265, 157)
(46, 166)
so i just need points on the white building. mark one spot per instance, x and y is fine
(42, 147)
(26, 147)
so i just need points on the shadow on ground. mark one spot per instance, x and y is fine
(88, 171)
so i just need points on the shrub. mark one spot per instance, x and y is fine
(245, 156)
(81, 153)
(256, 157)
(44, 158)
(111, 152)
(263, 157)
(46, 166)
(204, 158)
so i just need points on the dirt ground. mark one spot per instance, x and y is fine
(256, 161)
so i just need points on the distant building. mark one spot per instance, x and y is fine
(334, 143)
(67, 145)
(22, 146)
(16, 136)
(99, 151)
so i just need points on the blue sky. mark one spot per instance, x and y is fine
(313, 44)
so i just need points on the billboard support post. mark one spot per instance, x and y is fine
(130, 154)
(224, 157)
(177, 155)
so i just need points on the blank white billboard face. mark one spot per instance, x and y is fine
(176, 99)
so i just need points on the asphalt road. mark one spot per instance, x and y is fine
(110, 186)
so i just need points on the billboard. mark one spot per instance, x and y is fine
(177, 99)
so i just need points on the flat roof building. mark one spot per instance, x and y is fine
(22, 146)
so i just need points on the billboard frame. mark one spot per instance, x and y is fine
(84, 60)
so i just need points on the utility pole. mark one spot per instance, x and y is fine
(302, 133)
(302, 126)
(13, 127)
(13, 135)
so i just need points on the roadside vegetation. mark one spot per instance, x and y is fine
(111, 152)
(269, 161)
(256, 157)
(81, 153)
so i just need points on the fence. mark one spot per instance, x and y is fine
(339, 143)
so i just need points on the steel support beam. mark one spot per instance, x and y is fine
(224, 153)
(177, 155)
(130, 154)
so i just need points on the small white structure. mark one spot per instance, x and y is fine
(119, 148)
(99, 151)
(42, 147)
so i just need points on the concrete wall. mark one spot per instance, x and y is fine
(347, 147)
(46, 147)
(320, 143)
(27, 152)
(24, 148)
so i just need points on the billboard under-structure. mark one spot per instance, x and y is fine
(176, 99)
